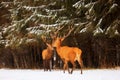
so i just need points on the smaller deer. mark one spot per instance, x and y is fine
(47, 56)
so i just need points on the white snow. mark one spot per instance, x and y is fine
(92, 74)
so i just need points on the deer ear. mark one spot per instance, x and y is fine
(48, 44)
(62, 39)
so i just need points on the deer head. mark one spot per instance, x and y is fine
(49, 46)
(57, 40)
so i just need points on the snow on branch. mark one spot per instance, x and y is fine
(78, 4)
(57, 10)
(9, 4)
(33, 8)
(31, 40)
(44, 28)
(44, 16)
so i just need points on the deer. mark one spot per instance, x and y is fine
(47, 56)
(66, 53)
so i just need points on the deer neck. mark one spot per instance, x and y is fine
(49, 50)
(58, 47)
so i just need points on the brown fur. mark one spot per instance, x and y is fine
(68, 54)
(47, 55)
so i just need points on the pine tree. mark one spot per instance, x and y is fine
(24, 22)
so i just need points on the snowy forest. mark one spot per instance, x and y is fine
(23, 23)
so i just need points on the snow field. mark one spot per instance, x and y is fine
(92, 74)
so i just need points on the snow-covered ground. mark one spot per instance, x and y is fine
(92, 74)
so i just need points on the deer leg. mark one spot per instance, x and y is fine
(44, 64)
(50, 65)
(73, 67)
(81, 65)
(65, 66)
(47, 63)
(70, 66)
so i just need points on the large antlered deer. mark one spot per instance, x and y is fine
(47, 56)
(67, 54)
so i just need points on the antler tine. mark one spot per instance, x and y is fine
(43, 38)
(59, 29)
(54, 34)
(70, 30)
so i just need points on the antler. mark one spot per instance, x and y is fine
(44, 40)
(70, 30)
(54, 34)
(59, 29)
